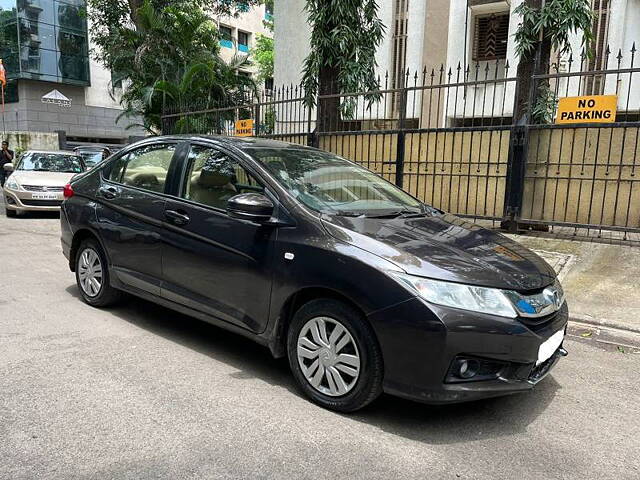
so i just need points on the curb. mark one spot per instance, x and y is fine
(576, 317)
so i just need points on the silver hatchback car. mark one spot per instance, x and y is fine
(38, 180)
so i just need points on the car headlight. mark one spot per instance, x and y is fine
(12, 184)
(466, 297)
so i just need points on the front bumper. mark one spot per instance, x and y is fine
(26, 201)
(420, 342)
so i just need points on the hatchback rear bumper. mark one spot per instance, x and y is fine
(421, 344)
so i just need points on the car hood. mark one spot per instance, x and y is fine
(446, 247)
(49, 179)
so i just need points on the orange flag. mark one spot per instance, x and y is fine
(3, 74)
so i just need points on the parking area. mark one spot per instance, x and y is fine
(139, 391)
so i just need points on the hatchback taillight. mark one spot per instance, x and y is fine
(67, 192)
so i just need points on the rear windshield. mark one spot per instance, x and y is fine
(51, 162)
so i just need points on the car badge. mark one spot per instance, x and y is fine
(45, 189)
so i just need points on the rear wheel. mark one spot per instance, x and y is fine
(334, 355)
(92, 275)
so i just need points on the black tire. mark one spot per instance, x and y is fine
(10, 213)
(368, 384)
(106, 295)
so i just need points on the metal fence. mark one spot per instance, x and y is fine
(446, 135)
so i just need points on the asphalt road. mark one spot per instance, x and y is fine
(139, 391)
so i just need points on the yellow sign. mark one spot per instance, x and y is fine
(589, 109)
(244, 128)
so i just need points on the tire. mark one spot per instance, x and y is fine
(105, 295)
(336, 355)
(10, 213)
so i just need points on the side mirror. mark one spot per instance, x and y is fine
(250, 206)
(8, 167)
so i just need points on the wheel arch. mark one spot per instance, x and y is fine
(294, 302)
(78, 237)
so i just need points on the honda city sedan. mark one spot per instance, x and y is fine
(37, 181)
(361, 286)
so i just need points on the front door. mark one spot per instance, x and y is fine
(130, 209)
(212, 262)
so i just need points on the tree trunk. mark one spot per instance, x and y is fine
(533, 64)
(328, 108)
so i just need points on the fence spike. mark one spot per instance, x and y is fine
(633, 48)
(619, 57)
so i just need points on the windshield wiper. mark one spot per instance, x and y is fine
(395, 214)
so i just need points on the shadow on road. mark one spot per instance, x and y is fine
(448, 424)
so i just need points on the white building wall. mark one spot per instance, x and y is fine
(291, 41)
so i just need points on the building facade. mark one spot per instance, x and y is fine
(45, 47)
(481, 39)
(238, 36)
(415, 39)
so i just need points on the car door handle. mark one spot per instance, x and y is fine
(108, 192)
(176, 217)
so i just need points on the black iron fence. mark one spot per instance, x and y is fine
(447, 136)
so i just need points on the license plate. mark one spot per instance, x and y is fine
(549, 347)
(44, 196)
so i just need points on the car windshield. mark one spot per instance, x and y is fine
(51, 162)
(91, 158)
(330, 184)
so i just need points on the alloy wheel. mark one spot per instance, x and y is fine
(328, 356)
(90, 272)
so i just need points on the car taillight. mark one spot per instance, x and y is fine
(67, 192)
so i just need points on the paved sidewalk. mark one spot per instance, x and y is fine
(601, 281)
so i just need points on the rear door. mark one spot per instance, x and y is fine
(130, 211)
(212, 262)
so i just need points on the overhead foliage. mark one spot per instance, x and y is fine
(166, 54)
(344, 37)
(555, 21)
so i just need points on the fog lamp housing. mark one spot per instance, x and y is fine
(473, 369)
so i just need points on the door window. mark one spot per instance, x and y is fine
(213, 178)
(145, 167)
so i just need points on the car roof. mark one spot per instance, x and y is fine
(239, 142)
(57, 152)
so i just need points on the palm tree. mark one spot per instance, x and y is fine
(172, 61)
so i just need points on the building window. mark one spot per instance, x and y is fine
(226, 39)
(490, 37)
(268, 11)
(243, 41)
(399, 39)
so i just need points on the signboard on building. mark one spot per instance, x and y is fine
(587, 109)
(54, 97)
(244, 128)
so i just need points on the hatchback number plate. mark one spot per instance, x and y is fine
(44, 196)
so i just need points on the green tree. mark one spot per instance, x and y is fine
(545, 26)
(262, 56)
(152, 44)
(344, 37)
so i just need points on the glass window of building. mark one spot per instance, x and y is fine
(45, 40)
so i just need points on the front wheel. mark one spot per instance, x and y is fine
(92, 275)
(334, 355)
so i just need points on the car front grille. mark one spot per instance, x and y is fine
(42, 203)
(41, 188)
